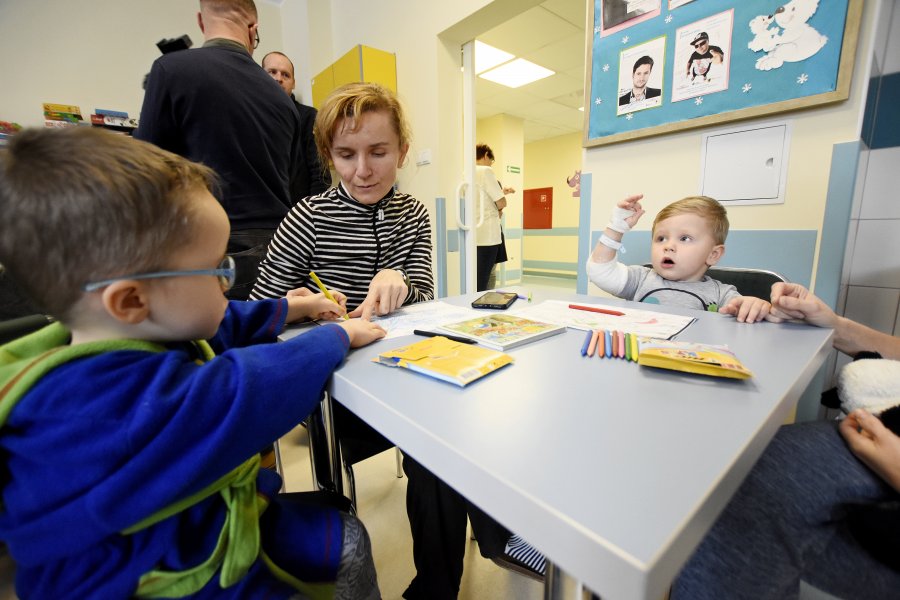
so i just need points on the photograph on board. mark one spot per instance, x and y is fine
(677, 3)
(702, 57)
(616, 15)
(641, 76)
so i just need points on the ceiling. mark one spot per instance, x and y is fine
(551, 35)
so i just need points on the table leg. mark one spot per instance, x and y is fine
(324, 457)
(559, 585)
(334, 452)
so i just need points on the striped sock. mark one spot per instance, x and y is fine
(519, 549)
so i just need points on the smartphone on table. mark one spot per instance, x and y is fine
(495, 300)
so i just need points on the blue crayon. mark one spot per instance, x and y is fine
(587, 342)
(609, 348)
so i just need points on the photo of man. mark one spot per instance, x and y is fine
(640, 75)
(703, 58)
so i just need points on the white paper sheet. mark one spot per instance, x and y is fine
(640, 322)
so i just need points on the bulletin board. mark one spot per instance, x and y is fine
(658, 66)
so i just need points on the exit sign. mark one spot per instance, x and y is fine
(512, 169)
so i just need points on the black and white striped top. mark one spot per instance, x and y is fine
(347, 243)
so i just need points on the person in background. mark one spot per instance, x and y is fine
(309, 178)
(130, 427)
(216, 106)
(688, 237)
(490, 203)
(821, 505)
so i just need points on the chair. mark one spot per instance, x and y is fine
(749, 282)
(356, 442)
(16, 328)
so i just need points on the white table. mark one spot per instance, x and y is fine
(613, 470)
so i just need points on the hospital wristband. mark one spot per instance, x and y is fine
(609, 242)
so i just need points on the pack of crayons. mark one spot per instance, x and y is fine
(610, 344)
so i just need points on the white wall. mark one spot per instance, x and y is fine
(94, 53)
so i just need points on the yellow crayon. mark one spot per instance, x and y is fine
(325, 291)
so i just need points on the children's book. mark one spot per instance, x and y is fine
(705, 359)
(445, 359)
(503, 331)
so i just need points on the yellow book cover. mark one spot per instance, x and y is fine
(445, 359)
(705, 359)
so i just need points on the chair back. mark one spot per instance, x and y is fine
(749, 282)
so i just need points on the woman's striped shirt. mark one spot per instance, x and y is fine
(347, 243)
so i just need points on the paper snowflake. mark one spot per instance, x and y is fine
(629, 116)
(625, 39)
(698, 100)
(605, 68)
(747, 87)
(597, 30)
(668, 18)
(598, 101)
(803, 78)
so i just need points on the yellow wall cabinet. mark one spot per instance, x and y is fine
(361, 63)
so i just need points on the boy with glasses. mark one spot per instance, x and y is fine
(129, 441)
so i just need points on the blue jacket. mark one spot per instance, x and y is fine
(101, 443)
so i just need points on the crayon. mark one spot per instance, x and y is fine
(324, 290)
(634, 348)
(587, 341)
(595, 309)
(628, 347)
(601, 343)
(593, 344)
(609, 343)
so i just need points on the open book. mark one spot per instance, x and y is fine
(503, 331)
(705, 359)
(445, 359)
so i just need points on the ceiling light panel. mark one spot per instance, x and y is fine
(487, 57)
(517, 73)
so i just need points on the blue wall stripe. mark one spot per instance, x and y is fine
(789, 252)
(556, 231)
(513, 233)
(440, 240)
(460, 244)
(838, 207)
(584, 233)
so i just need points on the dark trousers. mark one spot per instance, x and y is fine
(437, 518)
(247, 247)
(487, 258)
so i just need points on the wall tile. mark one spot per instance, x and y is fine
(876, 258)
(875, 307)
(892, 54)
(848, 253)
(859, 186)
(882, 182)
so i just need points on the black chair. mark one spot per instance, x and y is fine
(749, 282)
(16, 328)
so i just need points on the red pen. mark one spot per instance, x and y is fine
(605, 311)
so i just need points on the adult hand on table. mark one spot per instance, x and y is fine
(387, 292)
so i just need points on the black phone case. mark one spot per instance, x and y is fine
(481, 303)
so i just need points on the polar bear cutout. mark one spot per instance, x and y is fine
(791, 40)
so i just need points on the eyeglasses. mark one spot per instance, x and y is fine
(225, 272)
(256, 38)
